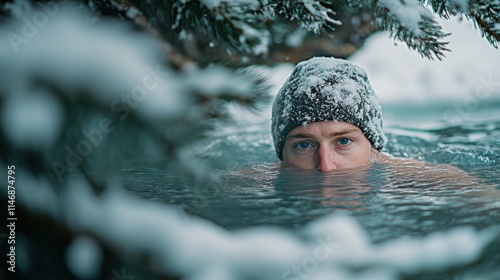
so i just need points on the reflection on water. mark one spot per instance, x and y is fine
(387, 201)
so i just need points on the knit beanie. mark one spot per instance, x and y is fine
(327, 89)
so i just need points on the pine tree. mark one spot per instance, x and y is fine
(70, 94)
(266, 31)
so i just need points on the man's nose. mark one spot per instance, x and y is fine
(325, 159)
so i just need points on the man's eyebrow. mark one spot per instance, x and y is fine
(337, 133)
(342, 132)
(300, 135)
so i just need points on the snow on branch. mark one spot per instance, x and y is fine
(73, 76)
(410, 22)
(311, 15)
(485, 15)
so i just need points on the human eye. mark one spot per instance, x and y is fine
(303, 145)
(344, 141)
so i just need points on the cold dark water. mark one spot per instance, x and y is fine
(386, 202)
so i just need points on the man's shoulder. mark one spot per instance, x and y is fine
(427, 171)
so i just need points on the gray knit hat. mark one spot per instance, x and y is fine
(327, 89)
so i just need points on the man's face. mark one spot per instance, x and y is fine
(326, 146)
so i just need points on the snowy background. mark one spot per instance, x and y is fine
(400, 75)
(464, 82)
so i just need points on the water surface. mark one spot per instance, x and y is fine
(386, 201)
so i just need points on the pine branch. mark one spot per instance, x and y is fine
(237, 26)
(442, 8)
(234, 30)
(484, 14)
(422, 35)
(487, 17)
(176, 108)
(125, 8)
(312, 15)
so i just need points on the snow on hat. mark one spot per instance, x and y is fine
(327, 89)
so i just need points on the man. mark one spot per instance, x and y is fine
(327, 117)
